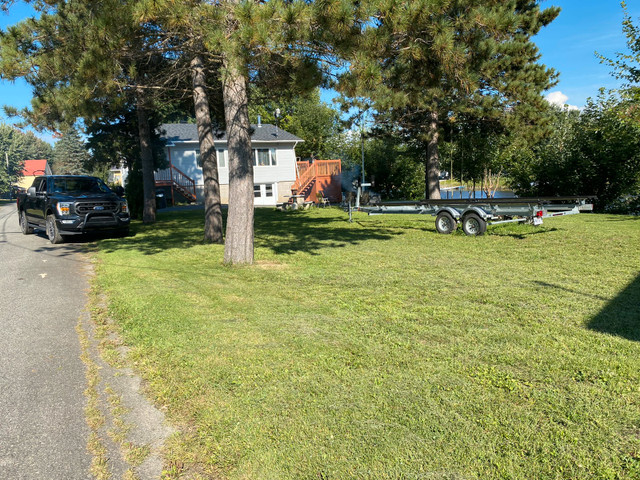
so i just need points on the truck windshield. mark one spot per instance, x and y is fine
(79, 185)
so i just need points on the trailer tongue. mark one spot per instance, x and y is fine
(475, 214)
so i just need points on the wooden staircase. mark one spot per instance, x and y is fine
(321, 175)
(178, 181)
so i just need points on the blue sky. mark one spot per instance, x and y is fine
(568, 45)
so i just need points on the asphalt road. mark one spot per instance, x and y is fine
(43, 434)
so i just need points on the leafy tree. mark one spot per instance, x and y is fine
(422, 62)
(626, 66)
(305, 116)
(113, 140)
(15, 148)
(269, 44)
(593, 152)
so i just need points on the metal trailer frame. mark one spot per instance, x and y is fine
(475, 214)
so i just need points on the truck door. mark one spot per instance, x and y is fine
(35, 205)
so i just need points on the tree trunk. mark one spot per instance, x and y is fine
(432, 170)
(238, 248)
(212, 208)
(148, 180)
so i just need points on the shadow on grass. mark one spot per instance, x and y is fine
(569, 290)
(621, 316)
(598, 217)
(520, 235)
(281, 232)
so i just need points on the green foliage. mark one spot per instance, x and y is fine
(595, 152)
(70, 155)
(424, 62)
(16, 147)
(113, 141)
(134, 191)
(305, 116)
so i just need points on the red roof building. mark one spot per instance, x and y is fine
(33, 168)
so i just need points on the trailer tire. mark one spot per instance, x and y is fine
(445, 223)
(473, 225)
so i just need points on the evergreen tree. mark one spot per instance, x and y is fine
(79, 55)
(70, 155)
(272, 44)
(422, 62)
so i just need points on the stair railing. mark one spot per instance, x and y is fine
(182, 180)
(305, 178)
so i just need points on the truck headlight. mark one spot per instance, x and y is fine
(124, 207)
(64, 208)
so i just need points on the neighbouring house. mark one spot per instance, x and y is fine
(118, 175)
(32, 169)
(275, 167)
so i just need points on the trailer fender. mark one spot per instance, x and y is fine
(478, 211)
(452, 211)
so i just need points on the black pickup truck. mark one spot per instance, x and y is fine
(70, 205)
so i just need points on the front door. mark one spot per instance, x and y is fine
(265, 194)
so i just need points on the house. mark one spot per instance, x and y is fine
(31, 169)
(118, 175)
(277, 174)
(274, 162)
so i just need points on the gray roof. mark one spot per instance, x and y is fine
(188, 132)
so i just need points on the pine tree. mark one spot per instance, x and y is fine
(276, 44)
(79, 55)
(70, 156)
(422, 61)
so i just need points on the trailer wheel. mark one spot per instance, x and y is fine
(473, 225)
(445, 223)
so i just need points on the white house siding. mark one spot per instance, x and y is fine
(281, 176)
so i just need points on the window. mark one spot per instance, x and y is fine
(263, 190)
(264, 157)
(222, 157)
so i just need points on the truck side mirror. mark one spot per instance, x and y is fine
(119, 190)
(31, 192)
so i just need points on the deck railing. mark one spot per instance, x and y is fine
(307, 172)
(177, 178)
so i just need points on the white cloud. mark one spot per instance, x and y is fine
(559, 99)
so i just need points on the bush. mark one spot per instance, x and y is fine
(625, 205)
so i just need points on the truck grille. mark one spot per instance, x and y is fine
(91, 207)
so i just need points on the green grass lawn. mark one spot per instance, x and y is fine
(383, 350)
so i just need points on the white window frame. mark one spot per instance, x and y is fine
(273, 160)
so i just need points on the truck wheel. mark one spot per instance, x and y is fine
(24, 224)
(445, 223)
(52, 230)
(472, 224)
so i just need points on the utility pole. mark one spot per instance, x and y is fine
(6, 159)
(362, 143)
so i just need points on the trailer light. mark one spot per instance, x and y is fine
(64, 208)
(539, 213)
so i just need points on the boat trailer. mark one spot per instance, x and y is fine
(475, 214)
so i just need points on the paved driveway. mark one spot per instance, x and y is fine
(43, 434)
